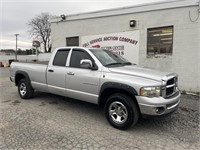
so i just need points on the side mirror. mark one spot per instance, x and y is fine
(86, 63)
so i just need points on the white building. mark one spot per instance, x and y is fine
(164, 36)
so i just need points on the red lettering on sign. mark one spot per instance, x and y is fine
(96, 46)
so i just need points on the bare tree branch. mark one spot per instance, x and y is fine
(40, 29)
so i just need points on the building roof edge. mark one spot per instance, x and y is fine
(129, 9)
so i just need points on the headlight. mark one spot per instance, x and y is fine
(153, 91)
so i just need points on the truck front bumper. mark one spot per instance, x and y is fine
(158, 106)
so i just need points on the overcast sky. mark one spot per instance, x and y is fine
(14, 15)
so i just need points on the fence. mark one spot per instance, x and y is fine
(4, 59)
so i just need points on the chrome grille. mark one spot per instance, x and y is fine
(171, 86)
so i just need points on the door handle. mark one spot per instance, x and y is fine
(50, 70)
(70, 73)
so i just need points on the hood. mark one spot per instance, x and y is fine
(140, 72)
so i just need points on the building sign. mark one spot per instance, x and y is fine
(36, 44)
(123, 43)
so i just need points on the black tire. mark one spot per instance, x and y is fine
(117, 106)
(25, 89)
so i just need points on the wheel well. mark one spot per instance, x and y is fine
(108, 92)
(18, 77)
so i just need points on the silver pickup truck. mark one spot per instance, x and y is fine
(102, 77)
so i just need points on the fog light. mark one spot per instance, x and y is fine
(159, 110)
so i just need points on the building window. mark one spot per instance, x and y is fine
(72, 41)
(160, 41)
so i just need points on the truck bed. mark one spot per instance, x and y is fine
(36, 62)
(35, 70)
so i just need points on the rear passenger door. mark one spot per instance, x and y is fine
(56, 73)
(82, 83)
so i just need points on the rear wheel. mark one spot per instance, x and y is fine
(25, 90)
(121, 111)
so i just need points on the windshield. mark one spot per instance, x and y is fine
(109, 58)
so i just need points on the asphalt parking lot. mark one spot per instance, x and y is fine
(53, 122)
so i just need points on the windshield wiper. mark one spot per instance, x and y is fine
(127, 63)
(113, 64)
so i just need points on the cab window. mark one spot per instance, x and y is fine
(61, 57)
(77, 56)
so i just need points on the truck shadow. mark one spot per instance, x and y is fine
(47, 98)
(176, 125)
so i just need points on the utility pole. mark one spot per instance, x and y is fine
(16, 46)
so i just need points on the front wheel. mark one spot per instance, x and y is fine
(121, 111)
(25, 90)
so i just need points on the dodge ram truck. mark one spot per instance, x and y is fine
(125, 90)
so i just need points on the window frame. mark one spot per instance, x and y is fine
(79, 49)
(72, 44)
(53, 63)
(160, 44)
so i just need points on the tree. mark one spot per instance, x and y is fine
(40, 29)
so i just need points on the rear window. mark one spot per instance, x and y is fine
(61, 57)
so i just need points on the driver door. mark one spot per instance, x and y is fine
(82, 83)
